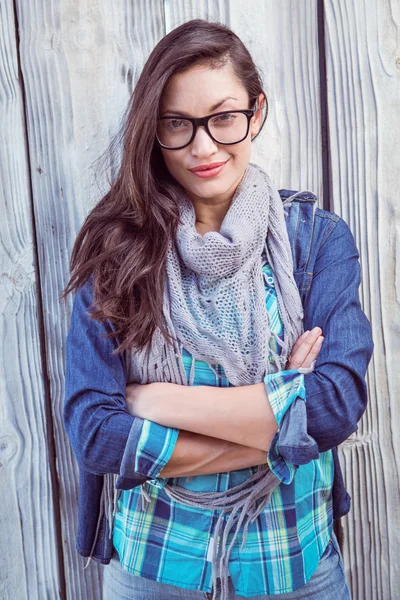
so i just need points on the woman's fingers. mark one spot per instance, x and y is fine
(303, 351)
(300, 354)
(299, 341)
(315, 350)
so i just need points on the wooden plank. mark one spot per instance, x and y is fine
(178, 12)
(80, 61)
(362, 49)
(283, 40)
(29, 567)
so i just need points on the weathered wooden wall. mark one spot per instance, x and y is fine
(67, 69)
(29, 566)
(362, 43)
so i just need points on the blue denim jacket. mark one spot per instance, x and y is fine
(103, 435)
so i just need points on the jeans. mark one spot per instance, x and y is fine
(327, 583)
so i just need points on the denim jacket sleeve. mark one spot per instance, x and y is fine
(102, 433)
(336, 390)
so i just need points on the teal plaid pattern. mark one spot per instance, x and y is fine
(170, 542)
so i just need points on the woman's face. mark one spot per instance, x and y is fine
(198, 92)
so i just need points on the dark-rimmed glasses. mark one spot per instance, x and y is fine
(226, 127)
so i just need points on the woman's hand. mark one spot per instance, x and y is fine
(306, 349)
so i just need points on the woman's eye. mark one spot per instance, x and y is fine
(176, 124)
(227, 118)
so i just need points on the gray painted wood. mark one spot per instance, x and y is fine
(363, 72)
(28, 566)
(80, 61)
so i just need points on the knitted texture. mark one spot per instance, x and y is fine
(214, 297)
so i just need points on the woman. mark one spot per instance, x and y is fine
(202, 403)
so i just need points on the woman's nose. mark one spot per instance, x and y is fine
(203, 144)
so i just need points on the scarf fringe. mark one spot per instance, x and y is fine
(108, 507)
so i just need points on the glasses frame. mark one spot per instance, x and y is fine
(203, 122)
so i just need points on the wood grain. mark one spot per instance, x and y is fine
(29, 566)
(80, 61)
(363, 70)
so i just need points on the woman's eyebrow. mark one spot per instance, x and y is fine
(212, 108)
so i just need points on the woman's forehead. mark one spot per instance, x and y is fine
(202, 88)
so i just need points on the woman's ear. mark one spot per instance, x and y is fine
(256, 119)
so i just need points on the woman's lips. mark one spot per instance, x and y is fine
(209, 172)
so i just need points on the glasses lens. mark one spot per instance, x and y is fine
(174, 132)
(228, 128)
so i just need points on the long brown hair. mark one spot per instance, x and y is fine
(124, 239)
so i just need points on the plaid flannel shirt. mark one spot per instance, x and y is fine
(170, 542)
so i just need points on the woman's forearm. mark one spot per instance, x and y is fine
(196, 454)
(240, 414)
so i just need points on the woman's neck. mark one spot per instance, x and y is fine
(203, 228)
(209, 215)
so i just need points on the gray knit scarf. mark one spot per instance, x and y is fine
(214, 306)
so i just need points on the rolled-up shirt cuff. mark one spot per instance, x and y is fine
(291, 445)
(155, 447)
(148, 449)
(282, 388)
